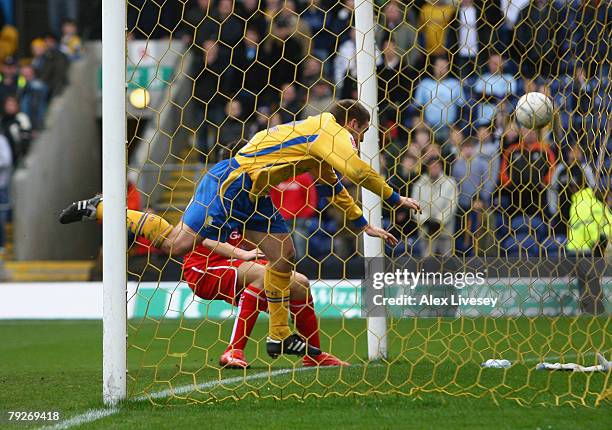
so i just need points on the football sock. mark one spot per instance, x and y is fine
(151, 226)
(276, 286)
(306, 320)
(252, 301)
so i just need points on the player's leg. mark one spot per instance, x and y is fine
(303, 311)
(252, 302)
(301, 306)
(280, 253)
(171, 240)
(214, 278)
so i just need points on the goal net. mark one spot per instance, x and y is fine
(495, 266)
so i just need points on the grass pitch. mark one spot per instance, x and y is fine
(433, 378)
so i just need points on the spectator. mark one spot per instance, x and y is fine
(231, 131)
(433, 150)
(344, 16)
(439, 98)
(290, 105)
(452, 146)
(33, 97)
(510, 11)
(275, 119)
(558, 194)
(255, 73)
(489, 149)
(319, 22)
(320, 99)
(536, 39)
(17, 128)
(402, 177)
(492, 89)
(254, 17)
(399, 23)
(345, 67)
(9, 41)
(231, 25)
(214, 87)
(50, 65)
(200, 24)
(312, 73)
(589, 232)
(433, 23)
(473, 28)
(526, 170)
(394, 85)
(475, 187)
(297, 201)
(590, 103)
(437, 194)
(61, 10)
(421, 138)
(284, 51)
(71, 42)
(6, 169)
(259, 120)
(273, 8)
(12, 81)
(589, 43)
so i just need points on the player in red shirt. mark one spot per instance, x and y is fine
(234, 272)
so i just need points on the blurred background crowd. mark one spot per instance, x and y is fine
(449, 74)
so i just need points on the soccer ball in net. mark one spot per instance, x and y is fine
(534, 110)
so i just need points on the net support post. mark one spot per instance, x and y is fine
(372, 204)
(115, 188)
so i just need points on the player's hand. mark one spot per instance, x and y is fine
(249, 255)
(409, 203)
(370, 230)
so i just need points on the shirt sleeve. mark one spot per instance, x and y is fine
(331, 188)
(333, 147)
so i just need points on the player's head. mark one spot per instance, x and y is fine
(353, 116)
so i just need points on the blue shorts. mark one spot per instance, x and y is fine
(214, 216)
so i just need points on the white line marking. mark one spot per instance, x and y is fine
(88, 417)
(96, 414)
(237, 379)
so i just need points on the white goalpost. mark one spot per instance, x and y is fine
(372, 205)
(115, 189)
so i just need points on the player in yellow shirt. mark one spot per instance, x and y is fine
(233, 195)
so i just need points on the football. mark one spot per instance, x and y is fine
(534, 110)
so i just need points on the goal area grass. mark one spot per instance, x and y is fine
(432, 378)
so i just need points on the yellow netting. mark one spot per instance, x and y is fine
(496, 197)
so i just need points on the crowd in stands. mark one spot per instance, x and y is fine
(26, 88)
(449, 75)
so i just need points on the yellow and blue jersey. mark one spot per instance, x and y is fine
(234, 193)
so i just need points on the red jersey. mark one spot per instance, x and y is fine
(212, 276)
(296, 198)
(203, 254)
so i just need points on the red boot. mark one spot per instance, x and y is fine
(233, 359)
(324, 359)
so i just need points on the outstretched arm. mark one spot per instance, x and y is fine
(231, 251)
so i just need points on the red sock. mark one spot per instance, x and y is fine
(252, 301)
(306, 320)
